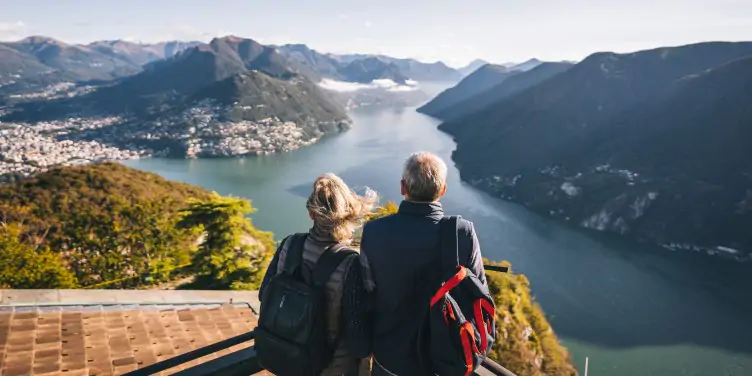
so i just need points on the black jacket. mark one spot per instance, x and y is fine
(401, 254)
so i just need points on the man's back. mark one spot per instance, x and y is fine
(403, 255)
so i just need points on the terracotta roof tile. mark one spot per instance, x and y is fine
(99, 340)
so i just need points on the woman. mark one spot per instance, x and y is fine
(337, 212)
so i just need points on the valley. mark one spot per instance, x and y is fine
(229, 97)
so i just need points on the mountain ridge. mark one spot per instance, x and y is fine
(477, 82)
(518, 82)
(596, 132)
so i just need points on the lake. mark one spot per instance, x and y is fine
(632, 309)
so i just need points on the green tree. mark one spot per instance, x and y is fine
(382, 211)
(232, 253)
(23, 267)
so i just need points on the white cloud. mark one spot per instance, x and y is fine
(13, 30)
(343, 16)
(386, 84)
(368, 24)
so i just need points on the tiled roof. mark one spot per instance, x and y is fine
(112, 339)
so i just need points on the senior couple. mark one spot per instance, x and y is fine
(376, 301)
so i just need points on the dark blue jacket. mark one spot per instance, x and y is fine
(402, 255)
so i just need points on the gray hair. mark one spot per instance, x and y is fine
(424, 176)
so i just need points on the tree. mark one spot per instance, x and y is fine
(382, 211)
(23, 267)
(231, 253)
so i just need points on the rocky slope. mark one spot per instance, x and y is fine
(525, 342)
(646, 144)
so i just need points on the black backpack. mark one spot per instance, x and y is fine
(292, 336)
(459, 328)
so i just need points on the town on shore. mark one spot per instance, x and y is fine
(203, 130)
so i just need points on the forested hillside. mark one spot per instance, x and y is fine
(108, 225)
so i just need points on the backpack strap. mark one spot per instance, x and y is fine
(294, 254)
(450, 257)
(328, 263)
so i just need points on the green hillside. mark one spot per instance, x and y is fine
(110, 225)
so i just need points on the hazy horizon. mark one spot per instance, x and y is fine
(453, 32)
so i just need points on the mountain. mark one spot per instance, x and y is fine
(194, 69)
(312, 63)
(472, 67)
(411, 68)
(477, 82)
(82, 62)
(360, 67)
(298, 100)
(526, 66)
(515, 83)
(424, 72)
(15, 64)
(139, 54)
(624, 142)
(172, 48)
(369, 69)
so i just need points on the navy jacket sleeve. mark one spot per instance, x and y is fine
(355, 313)
(475, 262)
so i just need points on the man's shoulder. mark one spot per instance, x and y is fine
(380, 223)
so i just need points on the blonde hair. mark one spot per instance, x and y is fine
(337, 210)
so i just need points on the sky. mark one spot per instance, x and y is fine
(455, 32)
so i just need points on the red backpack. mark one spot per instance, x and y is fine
(459, 328)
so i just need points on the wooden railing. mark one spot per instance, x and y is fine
(244, 362)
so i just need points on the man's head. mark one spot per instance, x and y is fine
(424, 177)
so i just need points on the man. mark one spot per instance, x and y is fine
(401, 255)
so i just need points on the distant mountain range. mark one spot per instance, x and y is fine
(38, 61)
(34, 63)
(472, 67)
(651, 143)
(479, 81)
(365, 68)
(140, 54)
(229, 70)
(467, 98)
(471, 92)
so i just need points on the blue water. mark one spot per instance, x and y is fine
(632, 309)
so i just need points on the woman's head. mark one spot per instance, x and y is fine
(335, 209)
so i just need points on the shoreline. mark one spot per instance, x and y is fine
(719, 251)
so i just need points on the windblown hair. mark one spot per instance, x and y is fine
(337, 210)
